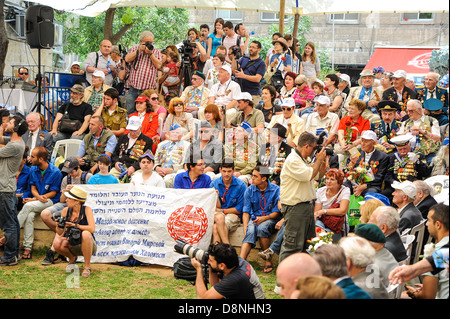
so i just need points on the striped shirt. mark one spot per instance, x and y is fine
(143, 73)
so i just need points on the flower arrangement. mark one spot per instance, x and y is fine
(361, 174)
(322, 238)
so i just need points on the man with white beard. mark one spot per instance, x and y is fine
(76, 110)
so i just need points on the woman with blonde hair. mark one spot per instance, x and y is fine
(177, 115)
(310, 62)
(368, 208)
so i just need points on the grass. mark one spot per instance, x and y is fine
(31, 280)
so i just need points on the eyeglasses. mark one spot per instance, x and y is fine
(154, 98)
(287, 108)
(23, 73)
(204, 131)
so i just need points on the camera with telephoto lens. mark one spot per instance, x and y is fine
(319, 146)
(61, 222)
(184, 248)
(149, 45)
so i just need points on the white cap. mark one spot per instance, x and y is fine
(226, 67)
(406, 187)
(322, 99)
(370, 135)
(399, 74)
(346, 78)
(289, 102)
(76, 63)
(401, 140)
(244, 96)
(99, 74)
(134, 123)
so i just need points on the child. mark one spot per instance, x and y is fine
(103, 176)
(146, 176)
(172, 69)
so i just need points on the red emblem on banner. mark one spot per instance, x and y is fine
(420, 61)
(188, 223)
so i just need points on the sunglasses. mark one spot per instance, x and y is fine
(300, 84)
(177, 104)
(204, 131)
(287, 108)
(153, 98)
(23, 73)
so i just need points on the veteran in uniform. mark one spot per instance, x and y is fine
(387, 127)
(435, 109)
(431, 90)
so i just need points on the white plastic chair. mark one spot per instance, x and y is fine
(408, 241)
(418, 231)
(66, 148)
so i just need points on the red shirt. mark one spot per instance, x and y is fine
(143, 74)
(361, 124)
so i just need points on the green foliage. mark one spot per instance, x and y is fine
(439, 61)
(84, 34)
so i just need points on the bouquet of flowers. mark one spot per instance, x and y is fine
(322, 238)
(360, 174)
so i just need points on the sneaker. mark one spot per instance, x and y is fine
(49, 259)
(14, 262)
(277, 289)
(266, 254)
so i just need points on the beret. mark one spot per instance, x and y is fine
(371, 232)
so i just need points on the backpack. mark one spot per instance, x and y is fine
(238, 40)
(183, 269)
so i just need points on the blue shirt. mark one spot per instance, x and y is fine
(23, 182)
(103, 179)
(183, 180)
(110, 144)
(287, 61)
(259, 204)
(47, 182)
(233, 197)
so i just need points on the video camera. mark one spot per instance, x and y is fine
(320, 141)
(184, 248)
(187, 48)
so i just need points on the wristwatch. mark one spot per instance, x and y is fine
(325, 211)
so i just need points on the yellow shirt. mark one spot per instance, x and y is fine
(296, 185)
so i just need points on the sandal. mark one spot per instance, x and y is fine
(2, 242)
(86, 272)
(26, 254)
(268, 268)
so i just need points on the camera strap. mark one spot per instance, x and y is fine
(69, 214)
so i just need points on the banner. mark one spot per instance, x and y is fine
(145, 221)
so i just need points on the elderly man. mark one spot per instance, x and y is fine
(387, 127)
(23, 74)
(225, 92)
(387, 219)
(100, 61)
(431, 90)
(35, 137)
(129, 149)
(114, 116)
(98, 141)
(373, 160)
(399, 93)
(404, 195)
(322, 119)
(93, 94)
(75, 110)
(423, 200)
(75, 68)
(368, 93)
(195, 96)
(248, 113)
(145, 62)
(424, 127)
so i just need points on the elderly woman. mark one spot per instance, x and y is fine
(269, 105)
(336, 97)
(303, 95)
(93, 94)
(351, 127)
(178, 115)
(330, 209)
(386, 81)
(79, 220)
(288, 88)
(156, 102)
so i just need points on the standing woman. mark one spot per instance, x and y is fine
(76, 211)
(215, 38)
(310, 62)
(296, 57)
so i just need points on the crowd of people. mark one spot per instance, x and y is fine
(285, 150)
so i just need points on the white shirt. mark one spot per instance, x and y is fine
(154, 180)
(327, 202)
(330, 122)
(435, 129)
(33, 140)
(225, 93)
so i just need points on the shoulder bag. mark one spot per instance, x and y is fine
(333, 222)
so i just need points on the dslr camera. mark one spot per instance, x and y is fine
(61, 222)
(320, 141)
(184, 248)
(149, 45)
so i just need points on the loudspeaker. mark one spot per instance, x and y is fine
(40, 30)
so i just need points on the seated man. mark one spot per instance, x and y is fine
(431, 90)
(399, 93)
(260, 213)
(45, 181)
(125, 159)
(146, 175)
(225, 92)
(103, 176)
(194, 177)
(170, 154)
(403, 197)
(434, 108)
(387, 127)
(76, 110)
(229, 203)
(50, 215)
(98, 141)
(243, 151)
(35, 136)
(196, 96)
(115, 117)
(371, 159)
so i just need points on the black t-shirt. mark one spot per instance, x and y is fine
(241, 283)
(76, 112)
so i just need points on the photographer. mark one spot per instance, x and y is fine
(75, 231)
(239, 278)
(250, 70)
(145, 61)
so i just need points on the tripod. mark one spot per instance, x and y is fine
(39, 103)
(185, 73)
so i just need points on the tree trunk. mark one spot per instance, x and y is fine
(3, 39)
(108, 29)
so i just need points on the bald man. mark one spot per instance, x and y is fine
(294, 267)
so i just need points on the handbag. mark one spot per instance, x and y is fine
(68, 126)
(333, 222)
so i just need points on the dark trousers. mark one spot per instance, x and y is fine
(9, 223)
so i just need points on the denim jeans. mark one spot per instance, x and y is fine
(9, 223)
(263, 230)
(130, 97)
(26, 220)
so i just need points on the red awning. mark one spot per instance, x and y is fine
(411, 60)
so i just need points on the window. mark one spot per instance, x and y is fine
(230, 15)
(271, 17)
(419, 17)
(344, 18)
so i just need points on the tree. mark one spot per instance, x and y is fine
(4, 42)
(439, 61)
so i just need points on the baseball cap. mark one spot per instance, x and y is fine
(289, 102)
(246, 126)
(380, 197)
(346, 78)
(70, 164)
(369, 135)
(245, 96)
(322, 99)
(399, 74)
(99, 74)
(226, 67)
(406, 187)
(134, 123)
(141, 98)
